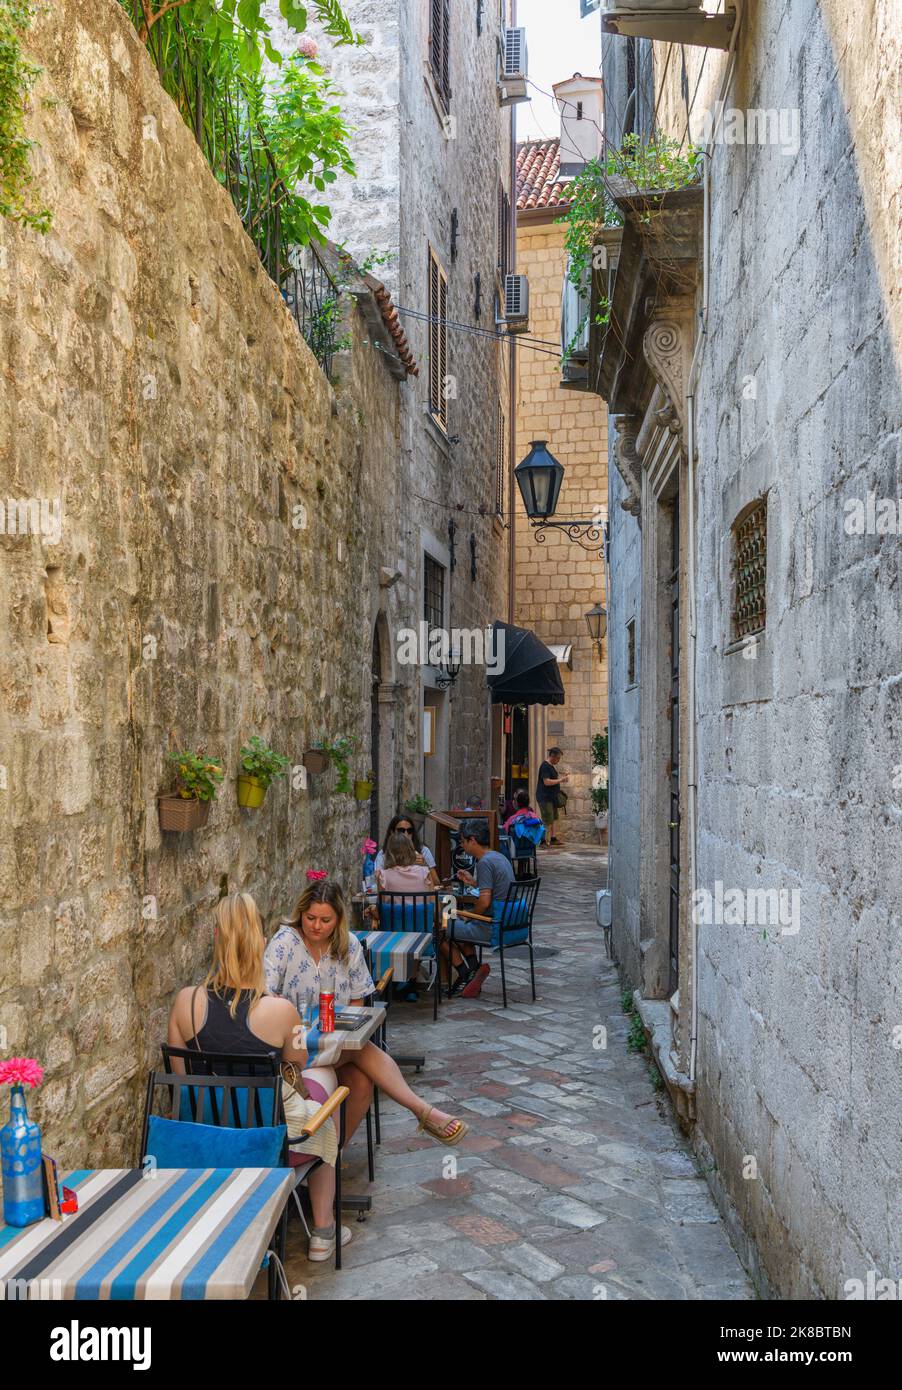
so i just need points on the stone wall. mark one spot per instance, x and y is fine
(558, 582)
(416, 165)
(799, 400)
(225, 515)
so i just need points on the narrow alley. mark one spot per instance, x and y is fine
(574, 1181)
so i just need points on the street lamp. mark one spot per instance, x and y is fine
(597, 623)
(540, 478)
(448, 670)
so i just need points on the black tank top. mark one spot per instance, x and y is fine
(221, 1032)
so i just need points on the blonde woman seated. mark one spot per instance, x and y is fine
(312, 953)
(231, 1012)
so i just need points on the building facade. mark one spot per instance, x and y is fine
(558, 580)
(752, 373)
(431, 204)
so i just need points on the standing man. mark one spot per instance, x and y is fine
(547, 790)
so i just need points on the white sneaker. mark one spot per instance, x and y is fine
(322, 1248)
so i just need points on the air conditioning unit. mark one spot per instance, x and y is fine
(672, 21)
(512, 67)
(650, 5)
(515, 308)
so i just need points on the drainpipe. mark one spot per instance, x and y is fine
(692, 574)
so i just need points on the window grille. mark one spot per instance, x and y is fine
(750, 570)
(433, 592)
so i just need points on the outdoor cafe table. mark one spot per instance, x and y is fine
(323, 1049)
(169, 1233)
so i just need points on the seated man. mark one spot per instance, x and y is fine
(494, 874)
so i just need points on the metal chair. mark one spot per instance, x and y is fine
(230, 1073)
(415, 914)
(516, 915)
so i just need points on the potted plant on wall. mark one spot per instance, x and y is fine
(363, 787)
(418, 808)
(261, 766)
(336, 751)
(189, 807)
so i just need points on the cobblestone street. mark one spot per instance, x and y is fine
(573, 1183)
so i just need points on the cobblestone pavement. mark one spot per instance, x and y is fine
(573, 1183)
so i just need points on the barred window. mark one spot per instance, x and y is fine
(433, 592)
(439, 47)
(500, 458)
(750, 570)
(438, 342)
(631, 652)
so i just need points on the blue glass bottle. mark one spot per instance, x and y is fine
(20, 1153)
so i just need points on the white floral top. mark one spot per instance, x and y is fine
(292, 972)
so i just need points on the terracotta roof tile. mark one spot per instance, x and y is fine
(392, 321)
(538, 170)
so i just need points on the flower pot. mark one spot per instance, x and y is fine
(20, 1148)
(251, 791)
(363, 790)
(182, 813)
(315, 761)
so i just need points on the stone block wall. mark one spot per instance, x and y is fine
(225, 511)
(557, 581)
(799, 399)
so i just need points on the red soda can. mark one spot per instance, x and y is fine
(327, 1013)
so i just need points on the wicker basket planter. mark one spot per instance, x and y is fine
(316, 761)
(181, 813)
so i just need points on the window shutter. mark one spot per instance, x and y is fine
(443, 345)
(438, 341)
(500, 460)
(446, 49)
(440, 46)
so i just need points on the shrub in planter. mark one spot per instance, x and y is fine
(337, 751)
(189, 807)
(417, 807)
(261, 766)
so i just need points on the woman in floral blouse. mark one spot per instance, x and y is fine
(313, 952)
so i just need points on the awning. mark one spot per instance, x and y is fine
(529, 674)
(563, 653)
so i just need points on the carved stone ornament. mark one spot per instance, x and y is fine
(629, 464)
(664, 350)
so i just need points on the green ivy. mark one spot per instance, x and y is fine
(658, 165)
(17, 77)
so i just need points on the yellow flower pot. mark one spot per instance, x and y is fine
(363, 790)
(251, 791)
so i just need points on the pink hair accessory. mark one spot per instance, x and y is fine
(313, 875)
(21, 1071)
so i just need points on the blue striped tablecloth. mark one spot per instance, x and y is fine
(402, 950)
(324, 1049)
(175, 1233)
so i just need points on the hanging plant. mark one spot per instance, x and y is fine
(337, 751)
(188, 808)
(17, 77)
(261, 766)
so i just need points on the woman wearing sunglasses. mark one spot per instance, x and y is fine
(403, 825)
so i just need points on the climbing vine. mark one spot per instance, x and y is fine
(17, 77)
(657, 165)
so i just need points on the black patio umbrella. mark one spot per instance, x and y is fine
(529, 674)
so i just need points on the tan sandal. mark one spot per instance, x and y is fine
(459, 1128)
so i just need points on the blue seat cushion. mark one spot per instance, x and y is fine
(181, 1144)
(412, 917)
(514, 935)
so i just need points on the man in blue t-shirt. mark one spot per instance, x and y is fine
(493, 876)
